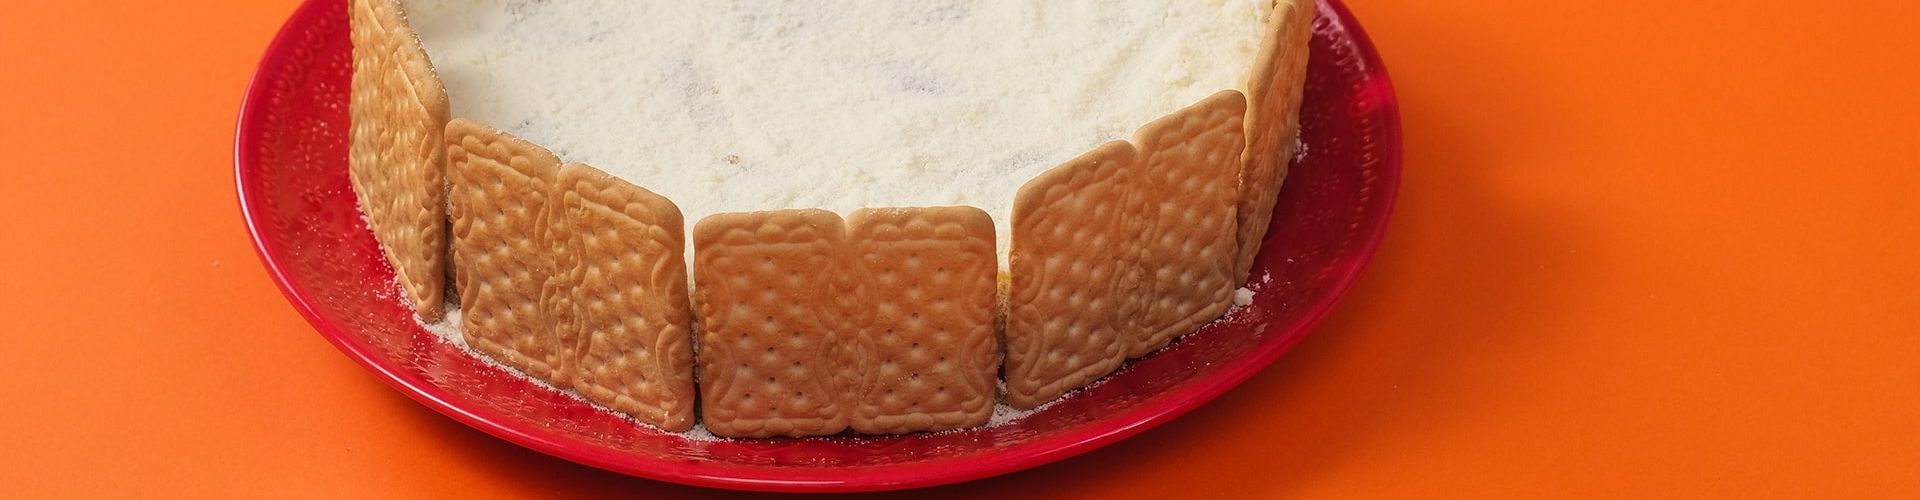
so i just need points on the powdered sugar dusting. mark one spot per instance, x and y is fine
(1003, 414)
(883, 103)
(448, 328)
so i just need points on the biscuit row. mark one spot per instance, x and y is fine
(808, 324)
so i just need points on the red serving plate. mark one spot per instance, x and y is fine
(291, 167)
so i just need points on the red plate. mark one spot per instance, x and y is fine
(291, 163)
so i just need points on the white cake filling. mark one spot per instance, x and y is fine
(733, 106)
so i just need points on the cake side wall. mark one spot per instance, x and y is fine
(1189, 165)
(1274, 89)
(625, 293)
(777, 354)
(1076, 283)
(1119, 251)
(928, 353)
(396, 158)
(499, 188)
(809, 327)
(1122, 250)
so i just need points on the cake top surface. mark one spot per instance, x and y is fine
(735, 106)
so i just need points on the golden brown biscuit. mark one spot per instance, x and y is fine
(776, 353)
(631, 348)
(1273, 120)
(1189, 165)
(926, 337)
(556, 293)
(499, 186)
(1075, 277)
(396, 159)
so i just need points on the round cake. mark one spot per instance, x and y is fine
(772, 219)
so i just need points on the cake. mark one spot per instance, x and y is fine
(896, 207)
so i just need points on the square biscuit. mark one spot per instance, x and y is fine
(396, 159)
(631, 344)
(499, 186)
(929, 355)
(1189, 168)
(776, 352)
(1274, 90)
(1076, 282)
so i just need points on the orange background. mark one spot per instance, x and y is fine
(1642, 247)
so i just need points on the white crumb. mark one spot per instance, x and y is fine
(699, 433)
(1242, 296)
(1003, 414)
(448, 328)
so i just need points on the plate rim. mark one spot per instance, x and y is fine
(886, 477)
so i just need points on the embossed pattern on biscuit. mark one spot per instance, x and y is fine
(633, 346)
(928, 350)
(556, 294)
(776, 353)
(1190, 162)
(1074, 272)
(396, 158)
(499, 189)
(1274, 90)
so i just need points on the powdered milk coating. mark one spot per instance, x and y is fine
(733, 106)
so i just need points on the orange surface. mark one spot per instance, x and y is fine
(1642, 247)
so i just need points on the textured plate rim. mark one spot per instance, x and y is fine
(902, 476)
